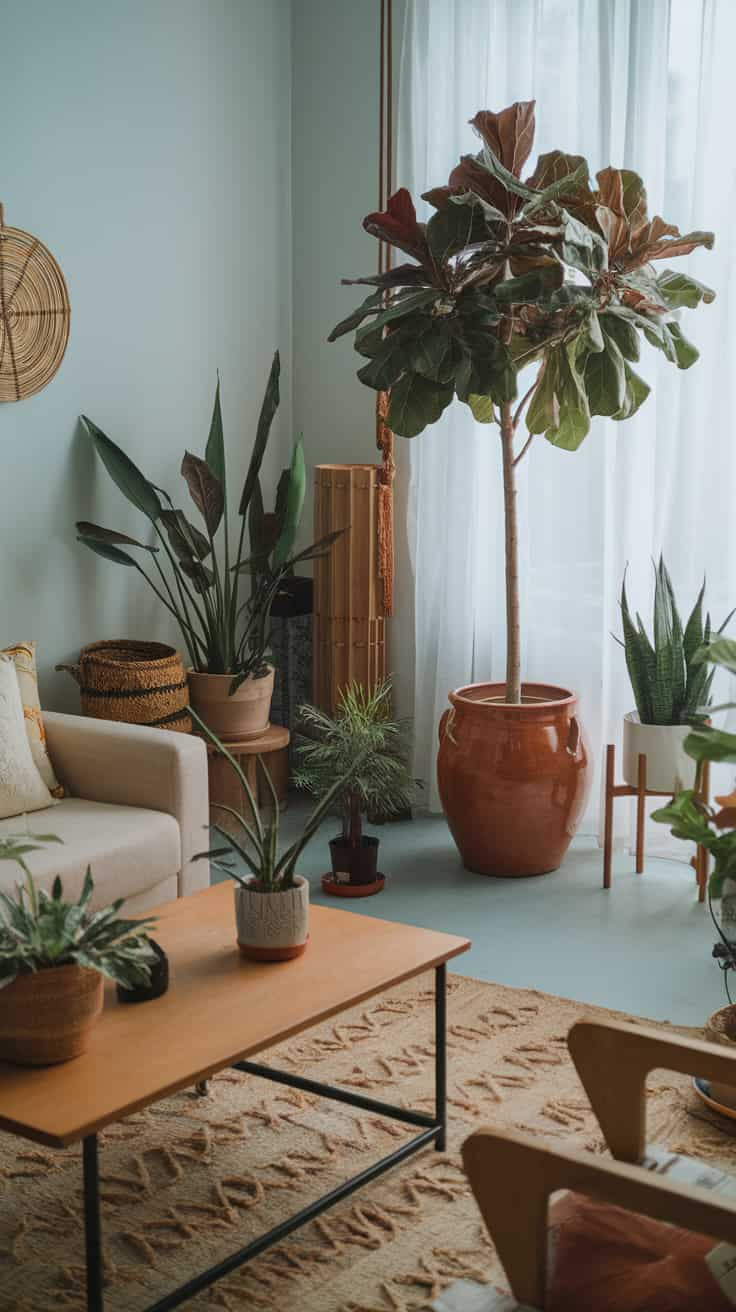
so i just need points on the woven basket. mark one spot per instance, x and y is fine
(136, 682)
(48, 1017)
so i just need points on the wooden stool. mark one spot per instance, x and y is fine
(226, 789)
(699, 862)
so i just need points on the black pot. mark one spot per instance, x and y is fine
(359, 863)
(159, 980)
(294, 597)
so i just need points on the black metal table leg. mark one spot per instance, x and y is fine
(92, 1233)
(440, 1061)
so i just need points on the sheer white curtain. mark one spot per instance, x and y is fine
(645, 84)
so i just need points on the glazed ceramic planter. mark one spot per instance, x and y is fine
(513, 780)
(244, 715)
(47, 1017)
(272, 926)
(669, 768)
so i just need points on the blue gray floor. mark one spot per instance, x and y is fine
(642, 947)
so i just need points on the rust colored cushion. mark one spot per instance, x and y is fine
(610, 1260)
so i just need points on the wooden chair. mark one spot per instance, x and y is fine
(513, 1175)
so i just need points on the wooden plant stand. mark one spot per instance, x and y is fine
(225, 787)
(699, 862)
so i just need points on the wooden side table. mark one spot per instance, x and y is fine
(226, 789)
(699, 862)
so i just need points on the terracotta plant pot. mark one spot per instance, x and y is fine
(721, 1028)
(244, 715)
(48, 1016)
(669, 768)
(272, 926)
(513, 780)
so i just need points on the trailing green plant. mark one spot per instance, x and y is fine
(550, 271)
(39, 931)
(200, 586)
(362, 728)
(15, 847)
(671, 684)
(693, 819)
(269, 869)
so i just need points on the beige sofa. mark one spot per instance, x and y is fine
(137, 813)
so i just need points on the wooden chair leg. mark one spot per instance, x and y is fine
(641, 798)
(608, 815)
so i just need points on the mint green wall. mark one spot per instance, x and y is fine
(147, 143)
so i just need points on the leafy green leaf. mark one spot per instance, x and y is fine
(294, 504)
(605, 380)
(624, 334)
(399, 309)
(215, 449)
(108, 552)
(95, 533)
(415, 403)
(679, 289)
(482, 408)
(269, 407)
(126, 476)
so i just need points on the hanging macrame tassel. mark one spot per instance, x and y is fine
(384, 436)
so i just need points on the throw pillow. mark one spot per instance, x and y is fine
(609, 1260)
(21, 786)
(24, 655)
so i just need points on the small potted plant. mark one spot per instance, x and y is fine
(271, 899)
(227, 636)
(671, 686)
(54, 956)
(714, 828)
(362, 726)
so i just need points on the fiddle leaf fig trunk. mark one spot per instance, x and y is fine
(552, 271)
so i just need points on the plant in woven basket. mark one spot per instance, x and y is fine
(39, 931)
(671, 684)
(362, 727)
(550, 274)
(267, 869)
(224, 633)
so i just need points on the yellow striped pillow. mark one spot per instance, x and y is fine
(24, 657)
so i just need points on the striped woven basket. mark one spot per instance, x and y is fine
(135, 682)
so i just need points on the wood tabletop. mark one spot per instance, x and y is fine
(219, 1009)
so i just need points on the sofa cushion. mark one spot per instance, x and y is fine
(129, 848)
(21, 786)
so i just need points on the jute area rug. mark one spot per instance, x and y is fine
(191, 1179)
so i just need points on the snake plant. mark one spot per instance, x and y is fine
(40, 932)
(670, 685)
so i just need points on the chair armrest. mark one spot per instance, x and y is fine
(512, 1177)
(613, 1060)
(133, 765)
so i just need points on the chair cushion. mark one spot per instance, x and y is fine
(610, 1260)
(128, 848)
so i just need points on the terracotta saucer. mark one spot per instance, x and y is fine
(331, 885)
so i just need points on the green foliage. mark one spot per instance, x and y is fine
(362, 729)
(670, 681)
(507, 273)
(40, 932)
(201, 587)
(258, 844)
(687, 814)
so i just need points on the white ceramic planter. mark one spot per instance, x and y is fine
(244, 715)
(272, 926)
(669, 768)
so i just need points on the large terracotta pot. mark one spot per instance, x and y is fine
(48, 1016)
(272, 926)
(244, 715)
(513, 779)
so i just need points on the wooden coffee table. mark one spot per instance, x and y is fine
(221, 1010)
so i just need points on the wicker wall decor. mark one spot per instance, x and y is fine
(34, 314)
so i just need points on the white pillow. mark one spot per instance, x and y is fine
(21, 786)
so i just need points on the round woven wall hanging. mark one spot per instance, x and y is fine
(34, 314)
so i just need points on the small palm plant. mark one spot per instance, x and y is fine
(671, 685)
(362, 728)
(39, 931)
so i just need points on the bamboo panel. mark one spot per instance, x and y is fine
(349, 623)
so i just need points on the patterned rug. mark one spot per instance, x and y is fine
(193, 1178)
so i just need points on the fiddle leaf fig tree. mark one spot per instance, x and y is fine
(553, 272)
